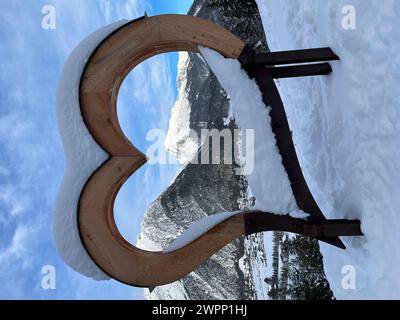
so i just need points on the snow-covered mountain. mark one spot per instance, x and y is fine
(262, 266)
(346, 130)
(201, 190)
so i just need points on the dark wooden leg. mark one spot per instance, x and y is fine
(249, 57)
(326, 230)
(262, 67)
(333, 228)
(280, 126)
(304, 70)
(284, 141)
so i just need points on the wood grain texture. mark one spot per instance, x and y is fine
(105, 71)
(125, 49)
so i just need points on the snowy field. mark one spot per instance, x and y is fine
(347, 131)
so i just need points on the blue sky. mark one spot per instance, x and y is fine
(31, 154)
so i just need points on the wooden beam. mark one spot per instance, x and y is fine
(249, 57)
(333, 228)
(304, 70)
(287, 150)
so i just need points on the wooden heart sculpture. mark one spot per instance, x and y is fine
(104, 73)
(113, 59)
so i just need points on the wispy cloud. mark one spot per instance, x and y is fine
(31, 156)
(17, 248)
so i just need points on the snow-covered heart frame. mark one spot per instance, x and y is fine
(102, 77)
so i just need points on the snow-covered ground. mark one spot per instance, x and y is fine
(83, 156)
(347, 130)
(259, 251)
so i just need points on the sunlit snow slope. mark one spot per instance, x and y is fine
(347, 130)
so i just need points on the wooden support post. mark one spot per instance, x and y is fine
(255, 66)
(304, 70)
(325, 230)
(249, 57)
(333, 228)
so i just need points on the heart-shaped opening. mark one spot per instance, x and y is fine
(145, 101)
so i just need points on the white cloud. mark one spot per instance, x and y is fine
(10, 199)
(29, 143)
(17, 247)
